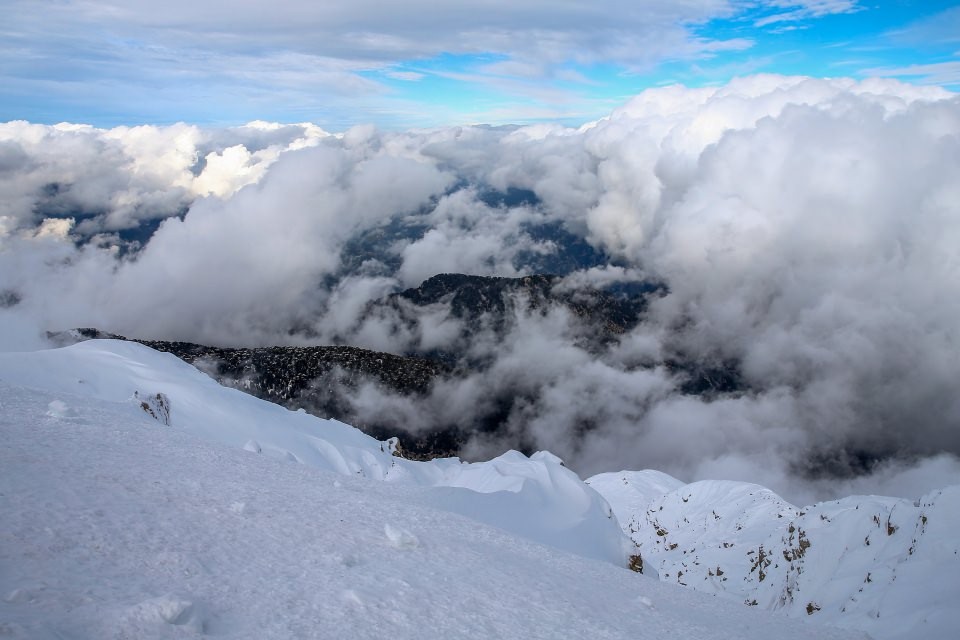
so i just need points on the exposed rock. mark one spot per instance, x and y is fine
(312, 378)
(325, 380)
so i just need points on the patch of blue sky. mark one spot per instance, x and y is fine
(878, 39)
(473, 88)
(447, 80)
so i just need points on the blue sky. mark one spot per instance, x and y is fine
(414, 64)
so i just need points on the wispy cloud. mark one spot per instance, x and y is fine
(347, 61)
(940, 73)
(796, 11)
(407, 76)
(312, 59)
(942, 27)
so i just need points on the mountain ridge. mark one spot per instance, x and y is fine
(326, 380)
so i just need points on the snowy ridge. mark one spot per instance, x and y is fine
(536, 497)
(885, 565)
(118, 526)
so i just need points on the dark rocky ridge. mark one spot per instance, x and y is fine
(489, 303)
(323, 380)
(470, 297)
(486, 303)
(283, 373)
(317, 379)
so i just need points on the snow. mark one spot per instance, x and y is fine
(116, 525)
(536, 497)
(884, 565)
(629, 492)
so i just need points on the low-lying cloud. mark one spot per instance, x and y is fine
(804, 231)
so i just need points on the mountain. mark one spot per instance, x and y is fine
(324, 379)
(327, 380)
(884, 565)
(142, 500)
(474, 298)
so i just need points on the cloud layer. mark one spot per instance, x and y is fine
(806, 231)
(409, 63)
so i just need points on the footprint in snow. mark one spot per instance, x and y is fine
(18, 596)
(351, 560)
(352, 599)
(400, 538)
(60, 409)
(169, 609)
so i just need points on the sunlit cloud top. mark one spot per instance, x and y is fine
(414, 63)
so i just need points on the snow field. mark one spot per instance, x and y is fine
(884, 565)
(536, 497)
(115, 526)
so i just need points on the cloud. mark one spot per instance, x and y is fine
(375, 30)
(939, 73)
(942, 27)
(798, 10)
(273, 241)
(112, 179)
(228, 61)
(468, 236)
(406, 76)
(804, 232)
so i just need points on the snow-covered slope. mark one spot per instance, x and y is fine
(117, 525)
(536, 497)
(884, 565)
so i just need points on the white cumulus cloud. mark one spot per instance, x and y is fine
(804, 231)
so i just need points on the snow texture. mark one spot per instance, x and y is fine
(536, 497)
(887, 566)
